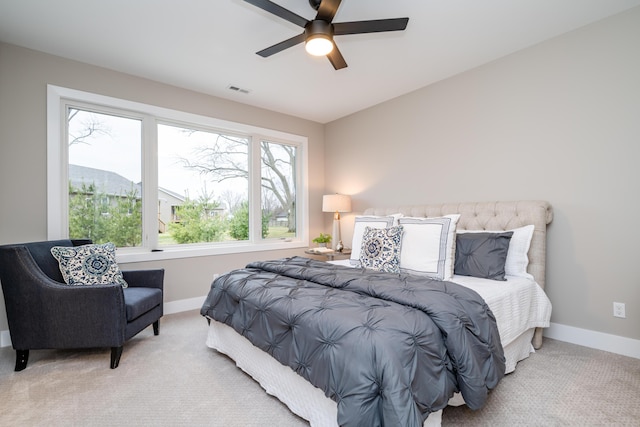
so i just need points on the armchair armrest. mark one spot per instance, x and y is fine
(151, 278)
(82, 316)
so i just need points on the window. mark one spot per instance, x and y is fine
(104, 173)
(161, 183)
(203, 177)
(278, 184)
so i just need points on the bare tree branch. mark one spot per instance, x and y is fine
(90, 127)
(228, 157)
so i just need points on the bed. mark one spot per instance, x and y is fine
(517, 303)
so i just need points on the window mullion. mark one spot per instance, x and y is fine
(255, 189)
(57, 172)
(149, 182)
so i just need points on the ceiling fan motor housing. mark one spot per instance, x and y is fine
(318, 27)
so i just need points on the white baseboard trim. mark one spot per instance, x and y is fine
(168, 308)
(5, 339)
(183, 305)
(592, 339)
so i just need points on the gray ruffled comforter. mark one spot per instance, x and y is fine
(388, 348)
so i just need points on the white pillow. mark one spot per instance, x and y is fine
(360, 223)
(517, 258)
(429, 246)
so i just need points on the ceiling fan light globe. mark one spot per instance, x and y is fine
(318, 45)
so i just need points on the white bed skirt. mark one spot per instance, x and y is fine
(302, 398)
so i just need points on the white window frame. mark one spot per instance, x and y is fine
(58, 180)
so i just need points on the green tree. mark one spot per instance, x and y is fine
(239, 223)
(196, 222)
(85, 216)
(95, 215)
(125, 221)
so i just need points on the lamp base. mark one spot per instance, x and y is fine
(335, 236)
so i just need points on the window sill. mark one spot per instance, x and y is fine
(124, 256)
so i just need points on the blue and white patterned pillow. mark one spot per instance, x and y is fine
(89, 264)
(360, 223)
(380, 249)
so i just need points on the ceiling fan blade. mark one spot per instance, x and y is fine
(279, 11)
(279, 47)
(336, 58)
(374, 26)
(328, 9)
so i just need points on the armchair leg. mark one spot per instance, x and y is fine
(22, 357)
(156, 327)
(116, 352)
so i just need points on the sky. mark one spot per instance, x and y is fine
(117, 147)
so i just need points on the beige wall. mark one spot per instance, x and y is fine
(559, 121)
(24, 75)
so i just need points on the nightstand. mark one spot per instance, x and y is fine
(331, 255)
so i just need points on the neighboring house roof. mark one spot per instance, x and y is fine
(172, 194)
(105, 181)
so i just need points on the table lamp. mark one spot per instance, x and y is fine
(336, 203)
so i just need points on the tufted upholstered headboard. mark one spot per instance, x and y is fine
(494, 216)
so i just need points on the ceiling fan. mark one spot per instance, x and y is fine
(318, 33)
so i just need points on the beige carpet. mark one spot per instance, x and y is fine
(175, 380)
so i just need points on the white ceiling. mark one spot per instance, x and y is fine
(207, 45)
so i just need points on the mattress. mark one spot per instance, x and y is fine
(517, 303)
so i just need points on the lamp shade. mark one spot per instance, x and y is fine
(336, 203)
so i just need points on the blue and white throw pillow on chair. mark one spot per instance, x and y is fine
(89, 264)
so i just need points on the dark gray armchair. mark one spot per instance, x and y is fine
(45, 313)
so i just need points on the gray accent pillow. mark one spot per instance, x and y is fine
(482, 254)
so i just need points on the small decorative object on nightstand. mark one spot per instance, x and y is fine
(329, 254)
(323, 240)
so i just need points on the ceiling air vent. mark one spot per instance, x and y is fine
(237, 89)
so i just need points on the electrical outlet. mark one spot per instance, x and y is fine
(618, 310)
